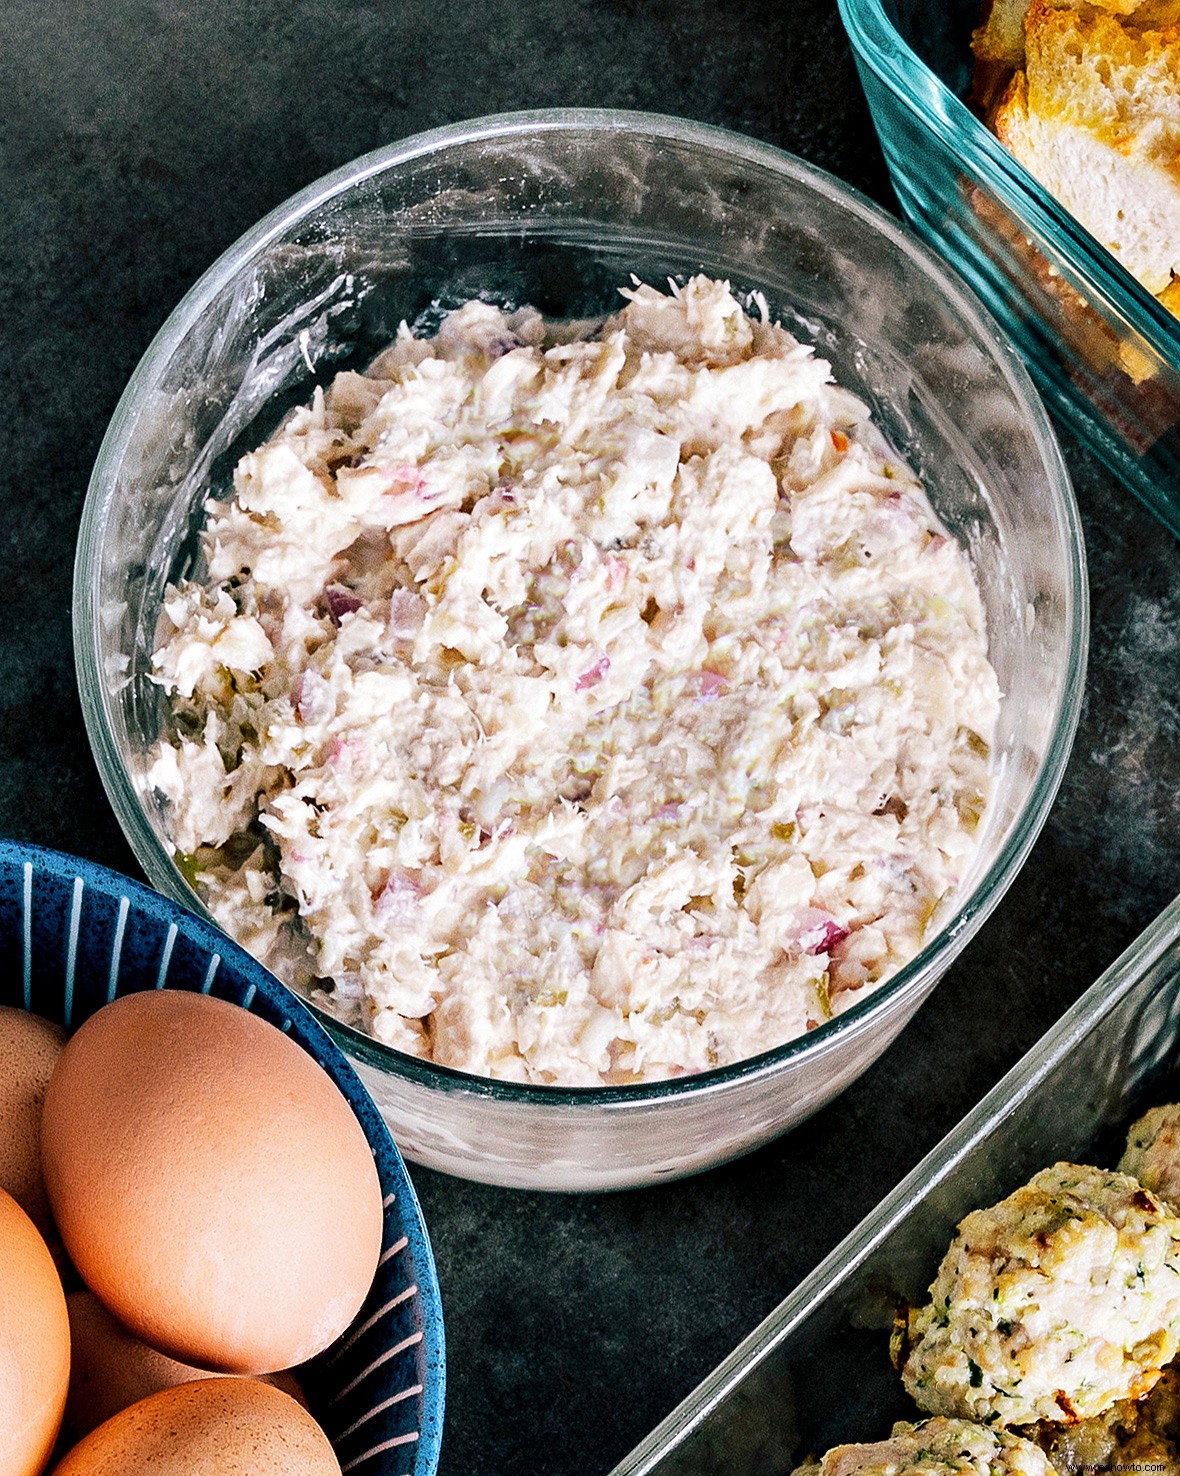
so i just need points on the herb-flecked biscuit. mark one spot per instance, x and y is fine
(1052, 1305)
(933, 1448)
(1153, 1152)
(1139, 1435)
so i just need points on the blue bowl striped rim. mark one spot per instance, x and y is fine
(74, 935)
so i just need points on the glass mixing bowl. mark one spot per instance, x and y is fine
(557, 209)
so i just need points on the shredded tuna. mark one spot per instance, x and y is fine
(561, 683)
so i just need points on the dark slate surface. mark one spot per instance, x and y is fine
(139, 138)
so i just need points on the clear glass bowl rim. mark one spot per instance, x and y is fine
(878, 44)
(161, 868)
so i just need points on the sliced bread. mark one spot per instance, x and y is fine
(998, 43)
(1095, 117)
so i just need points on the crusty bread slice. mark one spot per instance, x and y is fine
(1096, 118)
(1140, 15)
(1122, 82)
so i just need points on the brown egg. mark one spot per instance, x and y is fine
(211, 1184)
(34, 1344)
(110, 1368)
(234, 1427)
(29, 1048)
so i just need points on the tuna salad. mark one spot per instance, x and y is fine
(579, 709)
(1052, 1305)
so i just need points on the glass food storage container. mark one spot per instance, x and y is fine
(816, 1372)
(1104, 353)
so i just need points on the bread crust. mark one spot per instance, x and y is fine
(1121, 84)
(1094, 114)
(999, 43)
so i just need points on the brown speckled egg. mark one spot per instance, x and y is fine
(29, 1048)
(110, 1368)
(234, 1427)
(211, 1184)
(34, 1344)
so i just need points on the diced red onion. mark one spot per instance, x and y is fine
(593, 674)
(346, 754)
(710, 684)
(616, 572)
(407, 610)
(821, 935)
(313, 698)
(399, 901)
(341, 602)
(405, 479)
(499, 498)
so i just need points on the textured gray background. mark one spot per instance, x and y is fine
(138, 138)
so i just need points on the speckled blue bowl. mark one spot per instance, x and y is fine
(74, 936)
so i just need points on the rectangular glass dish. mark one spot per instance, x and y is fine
(816, 1372)
(1104, 353)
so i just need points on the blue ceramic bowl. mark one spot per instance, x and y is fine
(74, 936)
